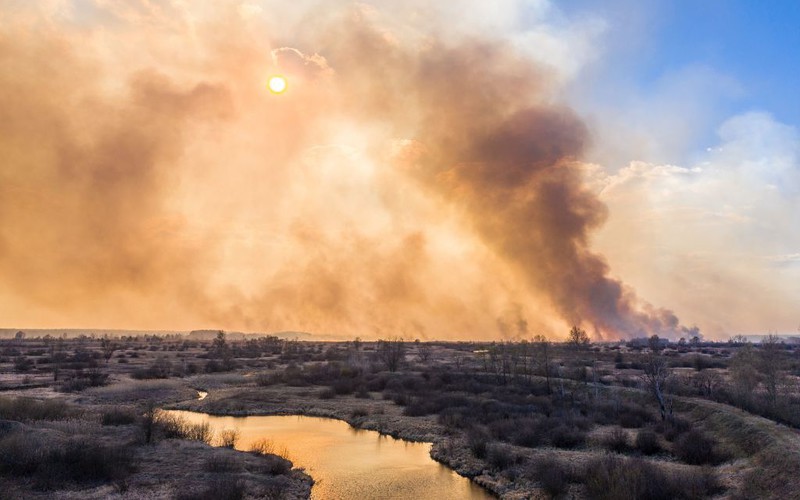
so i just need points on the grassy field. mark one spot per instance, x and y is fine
(524, 419)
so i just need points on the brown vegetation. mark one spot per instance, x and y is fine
(642, 419)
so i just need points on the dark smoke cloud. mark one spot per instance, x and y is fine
(493, 145)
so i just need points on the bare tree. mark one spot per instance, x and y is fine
(108, 348)
(744, 375)
(392, 352)
(542, 350)
(578, 337)
(707, 382)
(770, 365)
(424, 351)
(655, 343)
(656, 375)
(738, 340)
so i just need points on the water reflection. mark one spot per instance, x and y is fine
(349, 463)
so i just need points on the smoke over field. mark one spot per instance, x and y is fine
(417, 177)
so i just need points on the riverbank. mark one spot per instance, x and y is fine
(52, 448)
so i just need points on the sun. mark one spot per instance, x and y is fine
(277, 84)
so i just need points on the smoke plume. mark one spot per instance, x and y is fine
(413, 180)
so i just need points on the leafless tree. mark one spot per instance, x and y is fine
(738, 340)
(655, 377)
(707, 382)
(744, 375)
(770, 365)
(424, 351)
(542, 353)
(392, 352)
(108, 348)
(578, 337)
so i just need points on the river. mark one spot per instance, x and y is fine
(348, 463)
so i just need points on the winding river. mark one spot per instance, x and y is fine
(348, 463)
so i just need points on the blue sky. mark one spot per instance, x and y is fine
(747, 51)
(757, 43)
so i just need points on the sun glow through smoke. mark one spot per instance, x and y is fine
(277, 84)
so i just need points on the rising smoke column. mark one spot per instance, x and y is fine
(485, 137)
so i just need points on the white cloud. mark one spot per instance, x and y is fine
(707, 239)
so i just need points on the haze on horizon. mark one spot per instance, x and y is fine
(471, 170)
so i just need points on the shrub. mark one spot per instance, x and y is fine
(552, 475)
(615, 478)
(263, 446)
(118, 416)
(81, 461)
(264, 379)
(327, 393)
(27, 409)
(197, 432)
(164, 425)
(647, 442)
(223, 487)
(500, 458)
(672, 429)
(617, 440)
(565, 437)
(52, 463)
(695, 448)
(478, 443)
(344, 386)
(222, 463)
(228, 438)
(277, 465)
(359, 412)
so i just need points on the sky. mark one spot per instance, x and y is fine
(434, 170)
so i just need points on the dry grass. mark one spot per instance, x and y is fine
(24, 409)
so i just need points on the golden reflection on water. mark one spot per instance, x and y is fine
(348, 463)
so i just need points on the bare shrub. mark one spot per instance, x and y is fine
(27, 409)
(553, 476)
(228, 438)
(695, 448)
(359, 412)
(159, 424)
(617, 440)
(221, 487)
(263, 446)
(198, 432)
(54, 463)
(614, 478)
(567, 437)
(647, 442)
(674, 428)
(478, 443)
(499, 457)
(277, 463)
(264, 379)
(327, 393)
(118, 416)
(222, 463)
